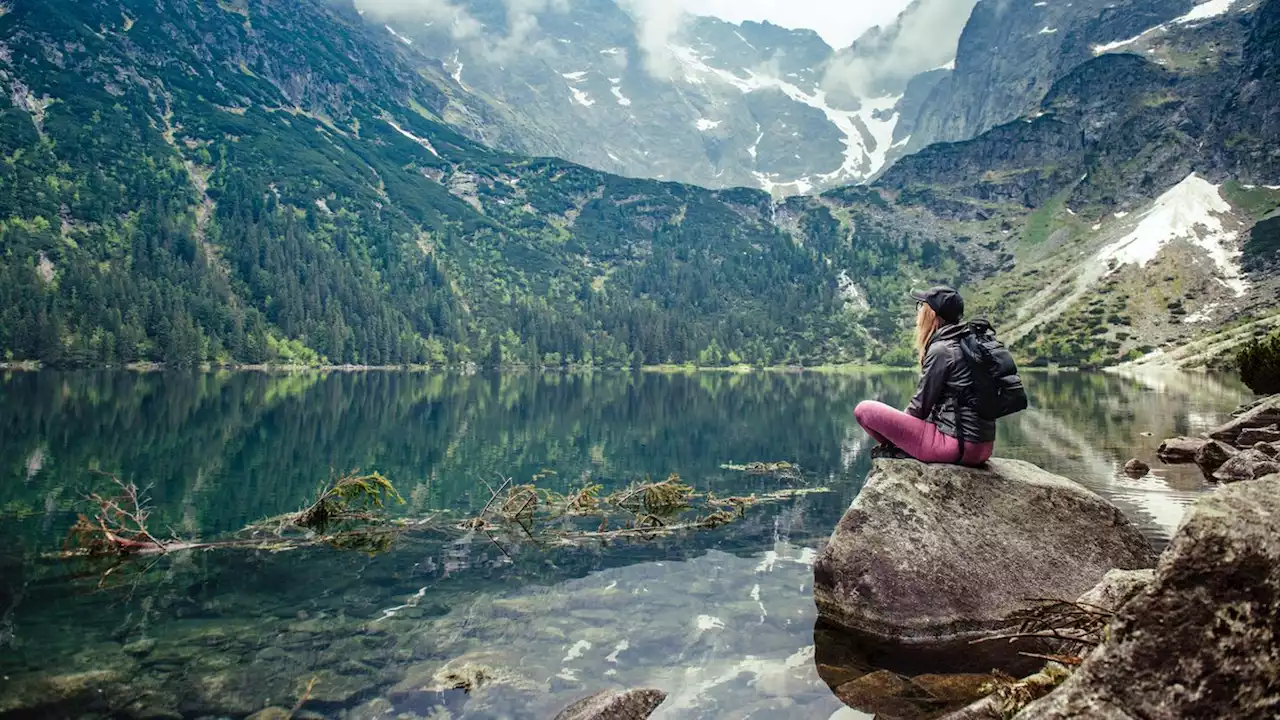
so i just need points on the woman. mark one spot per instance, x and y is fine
(940, 425)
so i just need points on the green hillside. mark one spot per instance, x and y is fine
(192, 182)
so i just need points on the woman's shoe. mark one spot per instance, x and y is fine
(889, 452)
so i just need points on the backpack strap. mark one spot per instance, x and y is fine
(964, 358)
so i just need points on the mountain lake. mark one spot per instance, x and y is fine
(444, 619)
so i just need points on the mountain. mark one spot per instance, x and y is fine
(1136, 197)
(1011, 53)
(704, 102)
(267, 181)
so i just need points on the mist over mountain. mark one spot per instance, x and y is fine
(643, 89)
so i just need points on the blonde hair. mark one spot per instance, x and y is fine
(926, 324)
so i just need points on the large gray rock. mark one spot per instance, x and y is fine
(1247, 465)
(1204, 640)
(1265, 412)
(614, 705)
(1180, 449)
(932, 556)
(1212, 455)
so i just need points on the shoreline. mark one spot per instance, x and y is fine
(470, 368)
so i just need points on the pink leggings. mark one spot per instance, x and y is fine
(918, 438)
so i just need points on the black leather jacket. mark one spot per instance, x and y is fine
(944, 387)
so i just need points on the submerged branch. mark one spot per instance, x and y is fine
(348, 514)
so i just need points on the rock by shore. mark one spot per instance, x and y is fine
(1204, 640)
(1262, 414)
(1244, 448)
(929, 557)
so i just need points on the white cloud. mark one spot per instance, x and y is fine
(434, 11)
(926, 39)
(657, 23)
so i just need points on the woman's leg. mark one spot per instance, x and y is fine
(864, 412)
(918, 438)
(977, 453)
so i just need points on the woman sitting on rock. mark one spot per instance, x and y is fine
(940, 425)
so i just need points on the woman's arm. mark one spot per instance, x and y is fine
(933, 379)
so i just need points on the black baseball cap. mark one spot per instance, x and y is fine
(945, 301)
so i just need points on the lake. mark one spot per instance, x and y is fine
(720, 618)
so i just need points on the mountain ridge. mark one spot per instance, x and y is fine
(260, 181)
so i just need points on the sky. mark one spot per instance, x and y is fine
(839, 22)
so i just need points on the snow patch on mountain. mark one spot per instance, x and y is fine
(1203, 11)
(865, 153)
(397, 35)
(1193, 211)
(581, 97)
(1206, 10)
(574, 76)
(425, 143)
(704, 124)
(617, 93)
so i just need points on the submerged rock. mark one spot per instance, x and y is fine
(1263, 414)
(1135, 468)
(1180, 449)
(272, 713)
(1247, 465)
(1202, 641)
(39, 695)
(613, 705)
(929, 557)
(1212, 455)
(891, 696)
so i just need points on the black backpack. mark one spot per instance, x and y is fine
(997, 389)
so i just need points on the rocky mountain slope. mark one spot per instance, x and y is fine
(265, 181)
(707, 102)
(1133, 201)
(1011, 53)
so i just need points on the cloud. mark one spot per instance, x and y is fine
(522, 19)
(462, 25)
(923, 37)
(658, 22)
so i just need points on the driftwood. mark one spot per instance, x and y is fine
(348, 514)
(1075, 628)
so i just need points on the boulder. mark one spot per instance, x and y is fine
(1268, 449)
(1117, 588)
(1179, 450)
(1247, 465)
(929, 557)
(1201, 641)
(615, 705)
(1252, 436)
(1212, 455)
(1135, 468)
(1263, 414)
